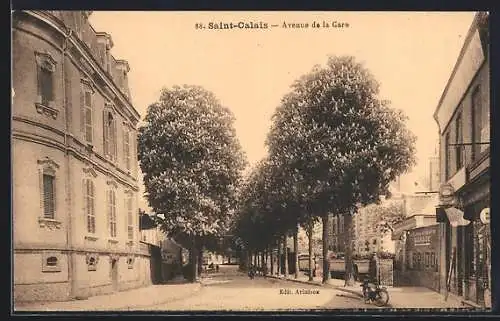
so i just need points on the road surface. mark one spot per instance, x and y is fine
(234, 291)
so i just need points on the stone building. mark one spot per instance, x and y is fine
(74, 164)
(463, 117)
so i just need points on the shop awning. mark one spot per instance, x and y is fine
(452, 215)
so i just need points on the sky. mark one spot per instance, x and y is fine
(411, 54)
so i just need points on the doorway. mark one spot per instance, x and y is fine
(114, 274)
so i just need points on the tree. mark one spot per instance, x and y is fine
(386, 215)
(192, 164)
(343, 143)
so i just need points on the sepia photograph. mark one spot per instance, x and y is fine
(250, 161)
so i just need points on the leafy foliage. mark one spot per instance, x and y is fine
(191, 160)
(386, 215)
(339, 143)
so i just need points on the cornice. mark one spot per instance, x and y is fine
(70, 150)
(89, 57)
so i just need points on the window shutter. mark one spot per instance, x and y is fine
(88, 115)
(84, 201)
(115, 141)
(48, 196)
(124, 131)
(92, 205)
(105, 132)
(82, 111)
(108, 206)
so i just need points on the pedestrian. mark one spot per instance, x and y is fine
(217, 268)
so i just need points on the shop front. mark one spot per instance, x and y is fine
(466, 239)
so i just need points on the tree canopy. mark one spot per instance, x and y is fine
(342, 143)
(191, 160)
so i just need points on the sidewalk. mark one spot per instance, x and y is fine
(400, 297)
(119, 301)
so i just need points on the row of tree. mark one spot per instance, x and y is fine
(334, 146)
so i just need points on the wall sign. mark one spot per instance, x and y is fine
(484, 216)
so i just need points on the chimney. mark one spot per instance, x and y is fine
(123, 69)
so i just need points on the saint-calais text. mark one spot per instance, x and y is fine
(264, 25)
(298, 291)
(237, 25)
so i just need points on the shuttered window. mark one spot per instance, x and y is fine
(109, 131)
(126, 147)
(87, 105)
(111, 201)
(48, 196)
(45, 85)
(89, 200)
(130, 218)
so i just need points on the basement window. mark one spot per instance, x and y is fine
(51, 262)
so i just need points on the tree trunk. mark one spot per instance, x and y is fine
(193, 260)
(285, 251)
(262, 259)
(200, 260)
(326, 242)
(272, 260)
(310, 241)
(296, 250)
(279, 267)
(349, 275)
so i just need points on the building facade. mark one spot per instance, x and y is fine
(464, 127)
(74, 163)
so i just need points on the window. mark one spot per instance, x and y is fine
(46, 67)
(126, 146)
(130, 262)
(89, 195)
(459, 140)
(130, 218)
(111, 202)
(48, 196)
(109, 135)
(45, 86)
(51, 261)
(92, 260)
(480, 127)
(86, 111)
(447, 156)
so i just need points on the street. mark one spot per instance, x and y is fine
(231, 291)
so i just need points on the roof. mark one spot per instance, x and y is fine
(476, 24)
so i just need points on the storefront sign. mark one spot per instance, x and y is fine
(423, 237)
(456, 217)
(485, 215)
